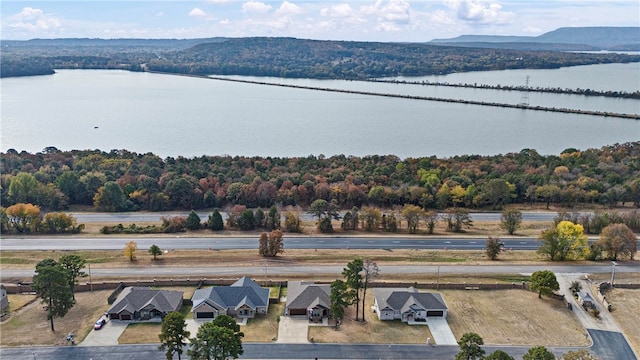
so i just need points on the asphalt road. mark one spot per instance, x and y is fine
(224, 243)
(274, 268)
(606, 351)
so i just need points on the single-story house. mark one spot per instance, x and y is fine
(586, 300)
(4, 298)
(308, 299)
(243, 299)
(144, 303)
(407, 304)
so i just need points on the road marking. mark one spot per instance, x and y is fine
(320, 241)
(396, 242)
(523, 242)
(473, 242)
(447, 242)
(370, 241)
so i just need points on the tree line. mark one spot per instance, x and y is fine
(120, 180)
(552, 90)
(279, 57)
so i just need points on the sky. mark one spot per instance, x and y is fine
(361, 20)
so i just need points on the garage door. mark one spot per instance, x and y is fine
(204, 315)
(435, 313)
(125, 317)
(297, 312)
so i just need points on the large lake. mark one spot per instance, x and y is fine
(174, 115)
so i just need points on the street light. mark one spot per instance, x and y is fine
(613, 271)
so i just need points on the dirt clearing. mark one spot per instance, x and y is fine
(514, 317)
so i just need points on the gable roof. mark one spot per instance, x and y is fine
(134, 299)
(305, 295)
(408, 299)
(244, 291)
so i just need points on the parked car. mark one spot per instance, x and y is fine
(99, 324)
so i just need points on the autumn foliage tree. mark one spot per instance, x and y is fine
(618, 239)
(23, 218)
(271, 244)
(564, 242)
(130, 250)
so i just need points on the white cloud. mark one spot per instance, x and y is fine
(479, 11)
(196, 12)
(255, 7)
(225, 22)
(219, 1)
(34, 20)
(337, 11)
(289, 9)
(159, 14)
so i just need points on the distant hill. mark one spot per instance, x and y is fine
(566, 38)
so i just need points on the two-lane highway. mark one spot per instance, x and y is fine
(225, 243)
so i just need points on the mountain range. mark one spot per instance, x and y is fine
(566, 38)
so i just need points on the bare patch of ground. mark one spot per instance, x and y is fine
(514, 317)
(29, 325)
(372, 331)
(625, 305)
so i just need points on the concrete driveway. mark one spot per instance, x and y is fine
(442, 334)
(108, 335)
(292, 330)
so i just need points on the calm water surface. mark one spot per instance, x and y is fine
(173, 116)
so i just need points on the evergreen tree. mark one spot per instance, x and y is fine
(353, 278)
(215, 222)
(539, 353)
(174, 334)
(219, 339)
(53, 285)
(155, 251)
(193, 221)
(74, 264)
(470, 347)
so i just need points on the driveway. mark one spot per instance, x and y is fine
(108, 335)
(292, 330)
(442, 334)
(604, 322)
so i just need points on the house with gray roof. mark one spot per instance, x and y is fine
(308, 299)
(407, 305)
(144, 303)
(242, 299)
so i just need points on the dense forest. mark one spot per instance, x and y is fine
(120, 180)
(279, 57)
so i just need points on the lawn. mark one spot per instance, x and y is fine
(625, 305)
(514, 317)
(141, 333)
(263, 328)
(372, 331)
(29, 325)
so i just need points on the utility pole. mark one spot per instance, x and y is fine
(90, 282)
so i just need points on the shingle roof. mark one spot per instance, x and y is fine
(405, 299)
(304, 295)
(134, 299)
(243, 291)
